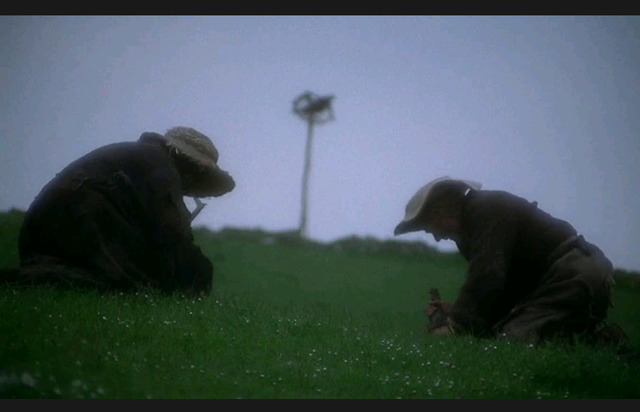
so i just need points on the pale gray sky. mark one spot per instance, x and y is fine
(545, 107)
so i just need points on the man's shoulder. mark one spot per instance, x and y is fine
(133, 158)
(124, 152)
(488, 207)
(496, 198)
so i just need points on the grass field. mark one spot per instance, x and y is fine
(290, 319)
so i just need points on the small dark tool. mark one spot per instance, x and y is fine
(198, 209)
(437, 310)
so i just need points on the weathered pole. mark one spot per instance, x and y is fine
(302, 229)
(314, 110)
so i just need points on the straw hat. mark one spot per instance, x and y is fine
(200, 150)
(423, 195)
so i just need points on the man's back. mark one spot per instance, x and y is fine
(507, 241)
(116, 215)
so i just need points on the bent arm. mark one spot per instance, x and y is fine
(183, 265)
(482, 295)
(473, 310)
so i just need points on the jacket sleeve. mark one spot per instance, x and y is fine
(482, 295)
(181, 262)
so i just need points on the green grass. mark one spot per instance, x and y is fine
(289, 319)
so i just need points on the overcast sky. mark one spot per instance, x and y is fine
(547, 108)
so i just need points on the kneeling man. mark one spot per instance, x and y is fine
(531, 276)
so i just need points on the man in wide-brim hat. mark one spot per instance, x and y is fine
(115, 219)
(530, 276)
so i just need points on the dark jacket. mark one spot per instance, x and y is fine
(507, 242)
(115, 219)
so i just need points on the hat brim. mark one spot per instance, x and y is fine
(407, 226)
(215, 182)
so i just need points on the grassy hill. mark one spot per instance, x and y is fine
(290, 319)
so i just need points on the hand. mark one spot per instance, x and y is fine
(437, 312)
(437, 307)
(441, 331)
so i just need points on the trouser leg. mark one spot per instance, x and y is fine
(573, 299)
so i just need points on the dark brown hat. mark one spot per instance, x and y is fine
(200, 150)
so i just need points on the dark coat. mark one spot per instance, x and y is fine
(114, 219)
(508, 243)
